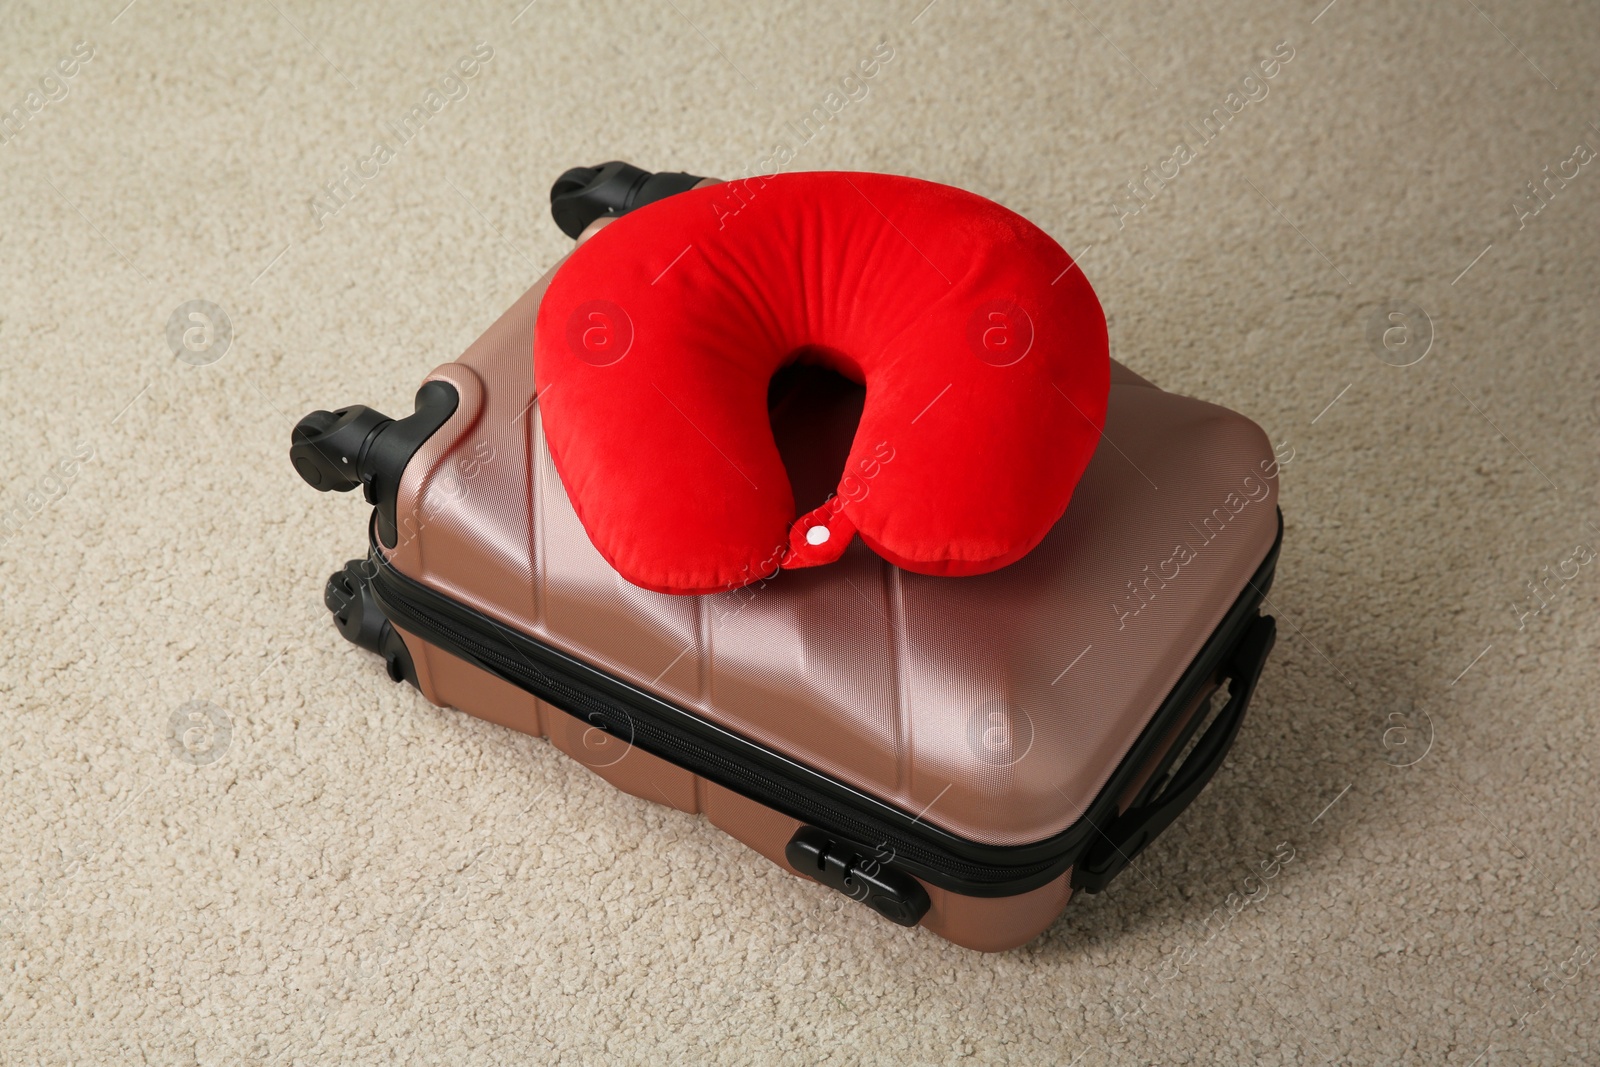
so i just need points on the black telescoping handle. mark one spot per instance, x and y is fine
(1128, 834)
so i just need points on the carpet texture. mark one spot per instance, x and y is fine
(228, 838)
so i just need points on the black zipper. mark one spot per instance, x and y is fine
(681, 737)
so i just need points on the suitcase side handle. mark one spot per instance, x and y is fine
(1126, 836)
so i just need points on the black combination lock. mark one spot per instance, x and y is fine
(858, 873)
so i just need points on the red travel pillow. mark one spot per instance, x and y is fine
(982, 349)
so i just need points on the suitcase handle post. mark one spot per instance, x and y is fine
(1126, 836)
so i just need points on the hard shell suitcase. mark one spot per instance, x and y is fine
(957, 753)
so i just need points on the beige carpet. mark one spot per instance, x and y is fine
(228, 838)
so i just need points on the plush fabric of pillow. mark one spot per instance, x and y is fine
(982, 348)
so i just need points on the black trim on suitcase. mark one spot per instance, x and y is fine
(1234, 653)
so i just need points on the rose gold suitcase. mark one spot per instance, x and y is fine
(957, 753)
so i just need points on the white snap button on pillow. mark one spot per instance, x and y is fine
(817, 535)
